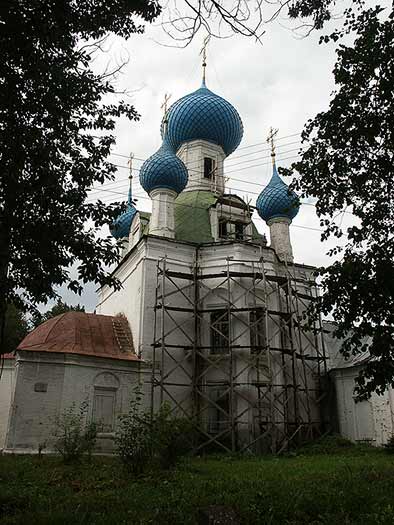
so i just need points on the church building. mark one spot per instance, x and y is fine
(208, 317)
(214, 310)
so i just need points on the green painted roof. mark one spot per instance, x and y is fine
(192, 222)
(145, 214)
(145, 218)
(192, 216)
(255, 234)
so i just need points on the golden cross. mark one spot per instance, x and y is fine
(130, 165)
(203, 52)
(271, 140)
(164, 107)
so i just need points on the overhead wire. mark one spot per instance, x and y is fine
(120, 183)
(228, 161)
(123, 184)
(116, 182)
(243, 190)
(94, 188)
(255, 218)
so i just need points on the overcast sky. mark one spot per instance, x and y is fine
(281, 83)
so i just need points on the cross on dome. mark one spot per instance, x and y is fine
(130, 165)
(203, 53)
(276, 200)
(271, 140)
(164, 107)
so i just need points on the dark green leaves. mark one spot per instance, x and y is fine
(349, 165)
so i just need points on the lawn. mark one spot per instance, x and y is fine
(342, 486)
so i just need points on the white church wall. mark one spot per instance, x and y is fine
(192, 154)
(7, 383)
(37, 398)
(47, 384)
(129, 299)
(179, 258)
(138, 274)
(371, 420)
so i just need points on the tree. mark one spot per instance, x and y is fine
(16, 328)
(349, 164)
(58, 308)
(55, 136)
(216, 18)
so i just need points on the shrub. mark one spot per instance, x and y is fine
(132, 436)
(171, 436)
(389, 446)
(74, 435)
(141, 438)
(329, 444)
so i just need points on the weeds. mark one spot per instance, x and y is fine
(141, 438)
(74, 435)
(389, 446)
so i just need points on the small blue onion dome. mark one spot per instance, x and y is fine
(121, 226)
(276, 200)
(164, 170)
(206, 116)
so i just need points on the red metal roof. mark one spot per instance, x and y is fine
(83, 334)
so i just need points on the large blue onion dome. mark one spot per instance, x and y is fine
(164, 170)
(121, 226)
(276, 200)
(206, 116)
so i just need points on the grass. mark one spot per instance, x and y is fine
(319, 485)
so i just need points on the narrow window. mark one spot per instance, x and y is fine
(219, 332)
(209, 167)
(257, 331)
(222, 230)
(103, 409)
(239, 230)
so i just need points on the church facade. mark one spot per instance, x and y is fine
(215, 311)
(209, 317)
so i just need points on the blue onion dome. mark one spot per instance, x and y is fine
(164, 170)
(276, 200)
(121, 226)
(206, 116)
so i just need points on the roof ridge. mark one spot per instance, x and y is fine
(60, 317)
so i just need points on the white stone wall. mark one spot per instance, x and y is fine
(139, 295)
(371, 420)
(192, 154)
(46, 384)
(7, 383)
(162, 221)
(130, 299)
(280, 238)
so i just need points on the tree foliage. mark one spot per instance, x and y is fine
(58, 308)
(16, 328)
(74, 434)
(142, 438)
(348, 164)
(56, 132)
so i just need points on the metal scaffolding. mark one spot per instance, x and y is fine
(230, 354)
